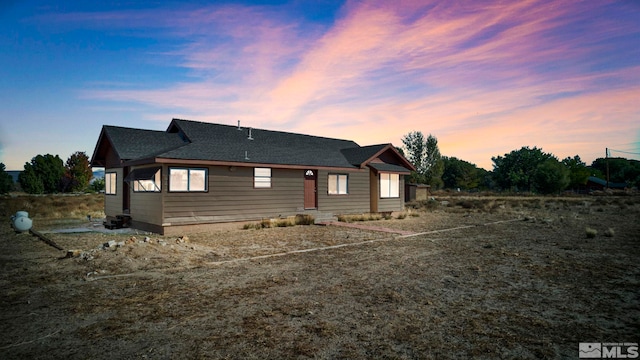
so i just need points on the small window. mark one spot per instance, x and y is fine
(262, 178)
(187, 179)
(148, 183)
(389, 185)
(338, 184)
(110, 183)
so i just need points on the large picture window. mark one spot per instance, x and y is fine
(188, 179)
(338, 184)
(389, 185)
(110, 184)
(262, 178)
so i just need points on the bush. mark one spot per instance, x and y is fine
(591, 233)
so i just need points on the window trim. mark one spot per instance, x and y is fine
(112, 182)
(262, 179)
(337, 184)
(189, 170)
(390, 194)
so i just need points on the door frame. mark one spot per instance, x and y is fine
(310, 184)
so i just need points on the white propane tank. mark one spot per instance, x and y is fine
(21, 222)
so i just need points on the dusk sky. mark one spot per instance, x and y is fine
(483, 77)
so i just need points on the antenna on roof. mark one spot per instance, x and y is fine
(239, 128)
(246, 155)
(250, 137)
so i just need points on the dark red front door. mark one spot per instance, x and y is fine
(310, 189)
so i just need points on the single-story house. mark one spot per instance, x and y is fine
(202, 173)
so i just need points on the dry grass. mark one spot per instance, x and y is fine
(489, 289)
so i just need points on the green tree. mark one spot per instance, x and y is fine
(6, 181)
(514, 171)
(97, 185)
(620, 170)
(77, 172)
(425, 156)
(461, 174)
(42, 175)
(578, 171)
(550, 177)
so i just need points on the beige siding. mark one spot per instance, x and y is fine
(113, 203)
(231, 197)
(356, 201)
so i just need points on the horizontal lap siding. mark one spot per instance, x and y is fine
(393, 204)
(356, 201)
(231, 196)
(113, 203)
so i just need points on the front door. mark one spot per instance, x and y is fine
(310, 189)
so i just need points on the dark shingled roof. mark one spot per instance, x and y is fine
(194, 140)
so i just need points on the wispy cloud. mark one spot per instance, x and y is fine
(485, 78)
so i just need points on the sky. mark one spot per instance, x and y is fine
(484, 77)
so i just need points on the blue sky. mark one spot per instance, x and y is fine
(483, 77)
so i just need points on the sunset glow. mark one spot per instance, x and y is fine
(484, 77)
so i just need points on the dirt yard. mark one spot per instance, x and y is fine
(478, 277)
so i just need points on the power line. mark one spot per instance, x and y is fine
(624, 152)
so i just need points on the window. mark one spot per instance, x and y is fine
(262, 178)
(110, 183)
(187, 179)
(389, 185)
(338, 184)
(146, 179)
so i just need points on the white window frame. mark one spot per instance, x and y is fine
(262, 178)
(110, 183)
(190, 180)
(338, 184)
(389, 185)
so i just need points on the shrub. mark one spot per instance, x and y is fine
(591, 233)
(609, 232)
(304, 219)
(401, 216)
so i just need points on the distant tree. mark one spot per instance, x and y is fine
(433, 163)
(550, 177)
(620, 170)
(425, 156)
(42, 175)
(97, 185)
(6, 181)
(77, 172)
(514, 171)
(578, 171)
(461, 174)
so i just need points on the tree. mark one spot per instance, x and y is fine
(620, 170)
(514, 171)
(425, 156)
(42, 174)
(97, 185)
(550, 176)
(461, 174)
(6, 181)
(578, 171)
(77, 172)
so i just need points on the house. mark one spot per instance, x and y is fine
(197, 173)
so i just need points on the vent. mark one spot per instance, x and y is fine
(250, 137)
(239, 128)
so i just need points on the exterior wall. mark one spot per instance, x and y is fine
(231, 197)
(357, 199)
(146, 207)
(392, 204)
(113, 203)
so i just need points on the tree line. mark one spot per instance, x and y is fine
(48, 174)
(523, 170)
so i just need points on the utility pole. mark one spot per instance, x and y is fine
(606, 157)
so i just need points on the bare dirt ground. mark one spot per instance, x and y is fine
(505, 278)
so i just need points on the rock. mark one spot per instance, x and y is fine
(147, 239)
(109, 244)
(73, 253)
